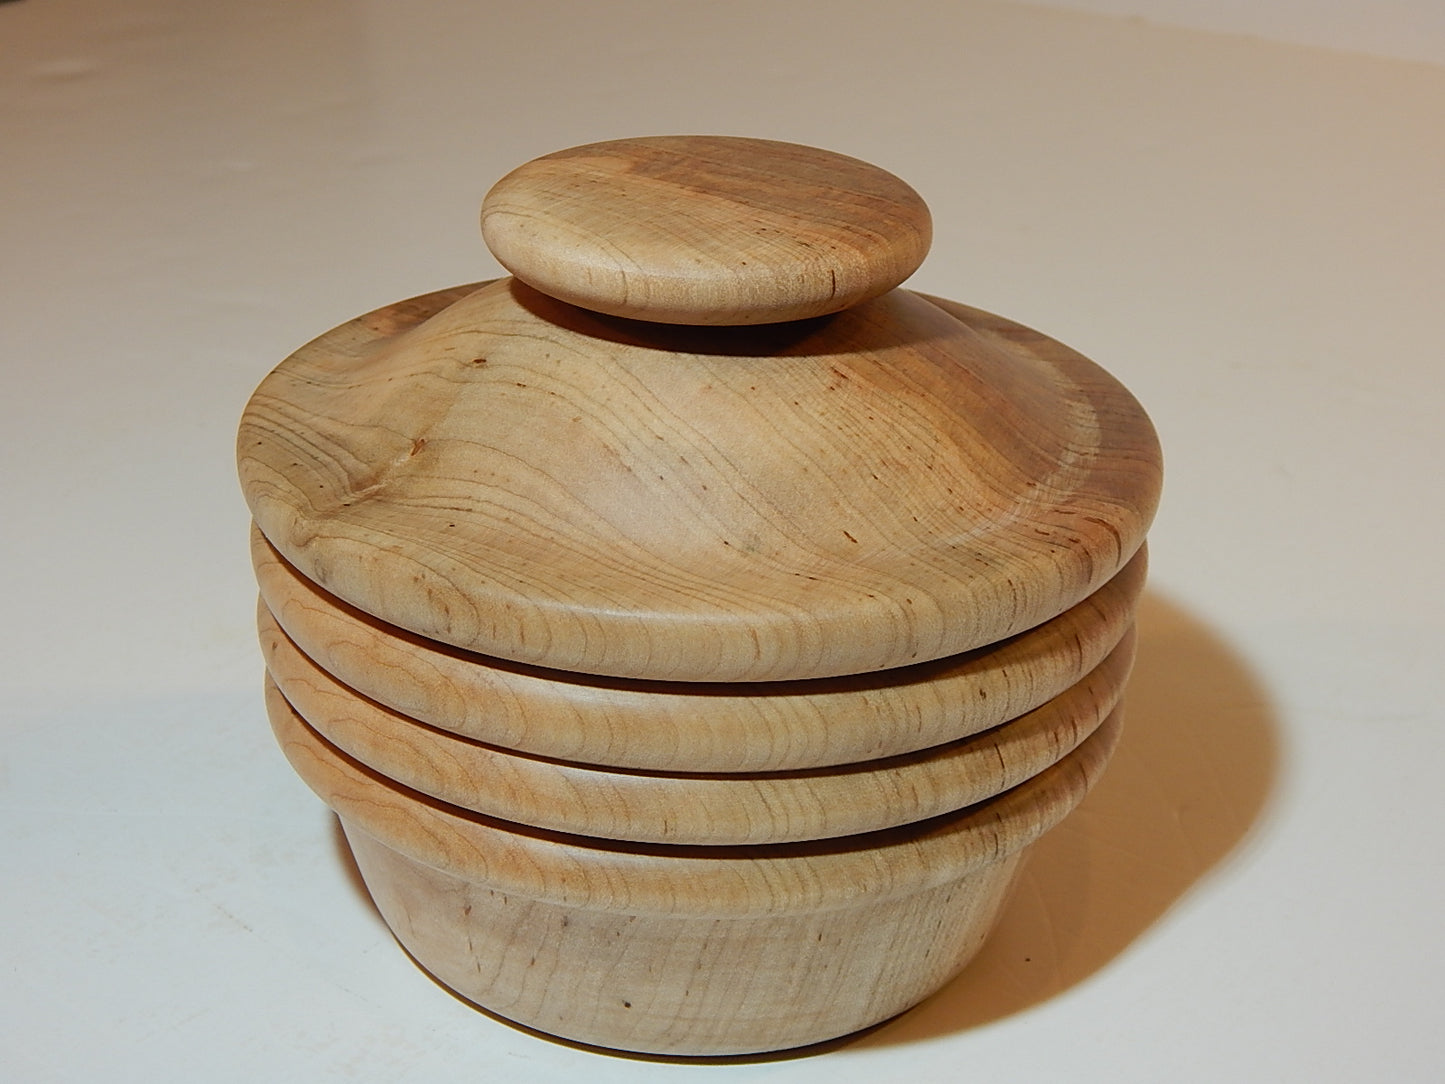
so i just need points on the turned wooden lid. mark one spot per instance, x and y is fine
(512, 474)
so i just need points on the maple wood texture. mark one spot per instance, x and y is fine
(902, 481)
(712, 809)
(693, 631)
(706, 229)
(696, 727)
(695, 950)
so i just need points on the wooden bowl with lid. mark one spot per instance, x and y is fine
(698, 498)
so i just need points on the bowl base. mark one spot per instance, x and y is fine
(676, 984)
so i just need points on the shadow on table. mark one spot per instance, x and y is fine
(1193, 772)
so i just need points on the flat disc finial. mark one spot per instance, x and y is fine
(706, 229)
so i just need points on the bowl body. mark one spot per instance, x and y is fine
(685, 950)
(670, 726)
(674, 984)
(707, 809)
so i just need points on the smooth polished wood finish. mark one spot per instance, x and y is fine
(685, 950)
(533, 518)
(718, 882)
(706, 229)
(675, 984)
(690, 727)
(730, 809)
(902, 481)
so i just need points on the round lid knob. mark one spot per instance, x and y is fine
(706, 229)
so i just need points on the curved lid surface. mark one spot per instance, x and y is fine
(903, 480)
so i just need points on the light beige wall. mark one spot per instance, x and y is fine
(1406, 29)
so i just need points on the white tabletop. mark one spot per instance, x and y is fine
(1250, 235)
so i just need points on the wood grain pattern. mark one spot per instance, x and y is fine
(729, 809)
(676, 984)
(706, 229)
(791, 606)
(686, 950)
(717, 882)
(902, 481)
(696, 727)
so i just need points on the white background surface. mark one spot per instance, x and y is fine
(1249, 234)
